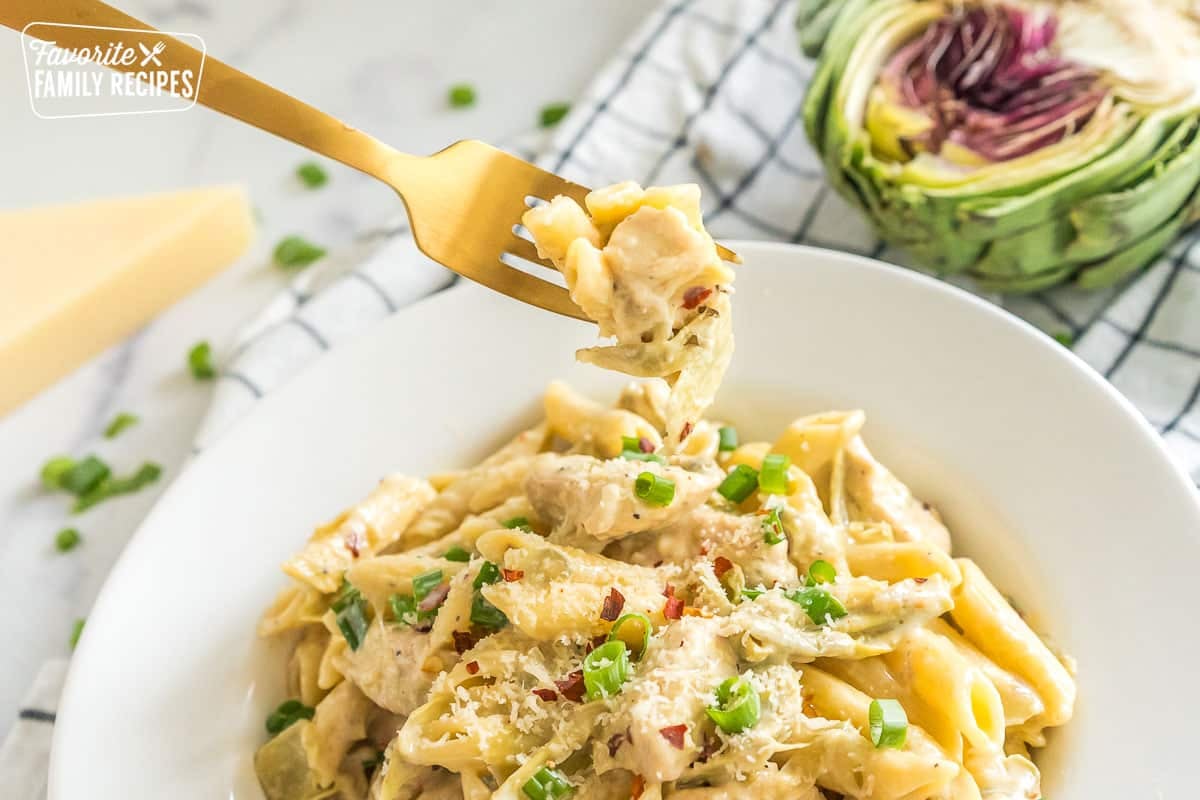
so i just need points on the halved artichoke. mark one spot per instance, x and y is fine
(1024, 143)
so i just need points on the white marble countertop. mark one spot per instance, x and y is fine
(382, 65)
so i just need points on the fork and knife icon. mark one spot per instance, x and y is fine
(152, 55)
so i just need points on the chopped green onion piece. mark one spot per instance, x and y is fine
(552, 114)
(634, 616)
(654, 490)
(488, 573)
(294, 252)
(889, 724)
(631, 443)
(66, 540)
(739, 484)
(119, 423)
(287, 714)
(76, 632)
(738, 706)
(346, 594)
(728, 439)
(457, 553)
(483, 613)
(425, 583)
(84, 476)
(821, 571)
(1065, 338)
(352, 621)
(461, 95)
(200, 362)
(516, 522)
(818, 603)
(404, 609)
(752, 594)
(774, 476)
(486, 615)
(605, 669)
(772, 527)
(547, 784)
(638, 455)
(312, 175)
(54, 470)
(110, 487)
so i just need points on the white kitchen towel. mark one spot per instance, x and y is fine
(710, 91)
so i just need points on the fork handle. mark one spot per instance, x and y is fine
(222, 88)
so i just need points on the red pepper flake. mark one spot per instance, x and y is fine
(920, 580)
(615, 742)
(711, 745)
(722, 565)
(549, 695)
(612, 606)
(595, 642)
(669, 591)
(637, 787)
(704, 549)
(436, 596)
(658, 563)
(673, 609)
(572, 687)
(687, 431)
(463, 641)
(511, 575)
(674, 734)
(355, 542)
(472, 667)
(695, 296)
(645, 445)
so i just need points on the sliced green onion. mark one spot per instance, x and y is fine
(119, 423)
(818, 603)
(76, 632)
(287, 714)
(425, 583)
(605, 669)
(457, 553)
(54, 470)
(295, 252)
(345, 594)
(631, 443)
(488, 573)
(404, 608)
(638, 455)
(352, 621)
(547, 784)
(553, 113)
(66, 540)
(461, 95)
(312, 175)
(739, 484)
(634, 616)
(752, 594)
(111, 487)
(1065, 338)
(821, 571)
(516, 522)
(84, 476)
(774, 476)
(889, 724)
(738, 706)
(654, 490)
(486, 615)
(772, 527)
(727, 438)
(200, 363)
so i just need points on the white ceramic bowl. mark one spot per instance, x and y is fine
(1044, 473)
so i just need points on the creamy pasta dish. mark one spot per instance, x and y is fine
(630, 601)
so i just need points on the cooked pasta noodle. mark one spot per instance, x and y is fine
(624, 602)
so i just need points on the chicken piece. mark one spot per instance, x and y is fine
(385, 667)
(589, 502)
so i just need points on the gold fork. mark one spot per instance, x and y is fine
(464, 202)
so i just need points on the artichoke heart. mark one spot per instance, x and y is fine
(1024, 143)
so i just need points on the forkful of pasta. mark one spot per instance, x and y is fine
(465, 203)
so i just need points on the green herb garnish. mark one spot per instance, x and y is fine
(84, 476)
(287, 714)
(110, 487)
(738, 706)
(728, 439)
(67, 540)
(739, 484)
(312, 175)
(888, 722)
(553, 113)
(457, 553)
(295, 252)
(654, 490)
(54, 470)
(200, 362)
(77, 631)
(119, 423)
(818, 604)
(461, 95)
